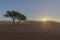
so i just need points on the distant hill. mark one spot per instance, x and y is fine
(37, 24)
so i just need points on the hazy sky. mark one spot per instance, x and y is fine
(33, 9)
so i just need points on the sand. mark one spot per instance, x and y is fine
(30, 31)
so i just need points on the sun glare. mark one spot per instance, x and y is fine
(44, 19)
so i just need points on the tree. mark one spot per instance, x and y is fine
(12, 14)
(15, 15)
(21, 17)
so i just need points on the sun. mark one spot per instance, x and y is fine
(45, 19)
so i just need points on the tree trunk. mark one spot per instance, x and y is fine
(13, 21)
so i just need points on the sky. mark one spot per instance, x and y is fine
(33, 9)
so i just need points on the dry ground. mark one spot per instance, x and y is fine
(30, 31)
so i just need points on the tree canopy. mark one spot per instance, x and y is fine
(15, 15)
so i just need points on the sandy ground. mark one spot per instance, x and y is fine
(30, 31)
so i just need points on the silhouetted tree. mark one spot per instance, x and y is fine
(15, 15)
(12, 14)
